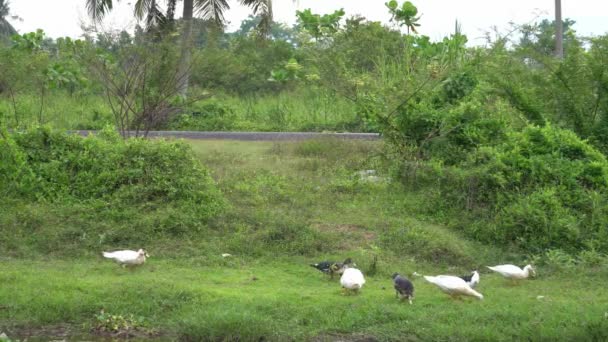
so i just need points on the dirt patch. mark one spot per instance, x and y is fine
(43, 333)
(66, 332)
(131, 335)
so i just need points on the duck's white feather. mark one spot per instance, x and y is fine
(127, 257)
(352, 279)
(474, 279)
(512, 271)
(453, 285)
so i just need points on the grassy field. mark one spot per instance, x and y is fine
(292, 204)
(289, 300)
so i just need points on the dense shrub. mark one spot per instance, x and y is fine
(61, 168)
(543, 188)
(210, 115)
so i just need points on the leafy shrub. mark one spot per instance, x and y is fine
(121, 326)
(537, 221)
(58, 167)
(208, 116)
(537, 190)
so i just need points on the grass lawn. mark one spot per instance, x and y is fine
(286, 299)
(267, 291)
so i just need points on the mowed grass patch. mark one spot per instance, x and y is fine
(288, 300)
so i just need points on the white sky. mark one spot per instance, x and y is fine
(63, 17)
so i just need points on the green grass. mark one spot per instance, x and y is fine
(60, 110)
(290, 204)
(290, 300)
(299, 110)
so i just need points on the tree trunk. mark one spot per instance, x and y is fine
(559, 30)
(184, 65)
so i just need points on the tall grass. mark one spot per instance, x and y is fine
(302, 109)
(59, 110)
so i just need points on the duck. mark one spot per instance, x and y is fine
(471, 279)
(403, 287)
(127, 257)
(513, 272)
(331, 267)
(352, 279)
(454, 286)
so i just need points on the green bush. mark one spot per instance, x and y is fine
(206, 116)
(61, 168)
(543, 188)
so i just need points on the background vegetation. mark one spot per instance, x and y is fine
(492, 154)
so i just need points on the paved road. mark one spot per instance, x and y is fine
(252, 136)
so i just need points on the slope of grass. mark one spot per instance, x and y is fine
(290, 204)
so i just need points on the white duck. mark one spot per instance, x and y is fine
(352, 279)
(513, 272)
(127, 257)
(454, 286)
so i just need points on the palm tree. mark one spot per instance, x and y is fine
(207, 9)
(6, 29)
(559, 30)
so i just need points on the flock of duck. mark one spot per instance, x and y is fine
(352, 279)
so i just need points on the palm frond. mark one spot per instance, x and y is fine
(262, 8)
(97, 9)
(171, 9)
(212, 9)
(155, 17)
(258, 6)
(4, 8)
(6, 29)
(143, 7)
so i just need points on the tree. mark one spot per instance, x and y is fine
(207, 9)
(559, 30)
(541, 37)
(406, 15)
(6, 29)
(320, 26)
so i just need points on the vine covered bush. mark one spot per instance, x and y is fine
(47, 166)
(542, 188)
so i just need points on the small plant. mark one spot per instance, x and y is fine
(117, 324)
(125, 326)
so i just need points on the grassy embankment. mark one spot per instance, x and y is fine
(290, 204)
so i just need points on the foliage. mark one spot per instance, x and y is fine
(404, 15)
(210, 115)
(141, 84)
(243, 68)
(320, 26)
(537, 190)
(56, 167)
(6, 29)
(108, 323)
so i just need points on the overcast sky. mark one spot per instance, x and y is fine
(63, 17)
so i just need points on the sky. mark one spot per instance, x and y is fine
(60, 18)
